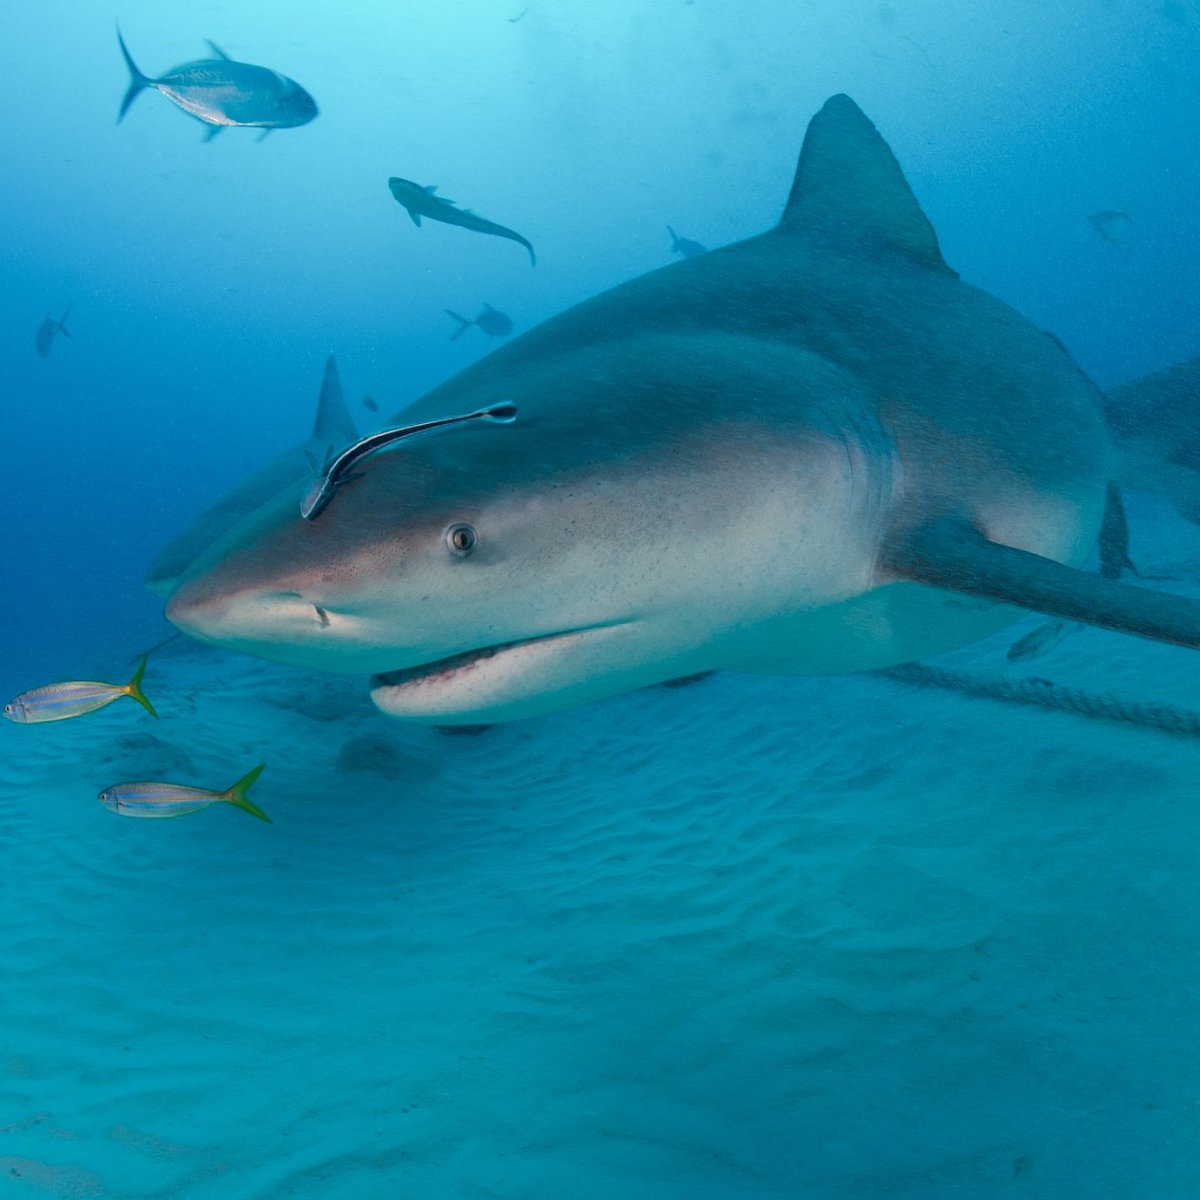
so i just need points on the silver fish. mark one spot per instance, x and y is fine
(59, 701)
(176, 800)
(490, 321)
(220, 91)
(419, 200)
(48, 330)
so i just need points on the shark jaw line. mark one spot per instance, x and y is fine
(446, 671)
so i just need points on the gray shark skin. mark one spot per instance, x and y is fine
(814, 451)
(222, 92)
(333, 429)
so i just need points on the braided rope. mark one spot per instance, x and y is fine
(1042, 693)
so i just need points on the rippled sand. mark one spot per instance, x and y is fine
(752, 938)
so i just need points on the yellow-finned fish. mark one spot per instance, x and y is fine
(62, 700)
(175, 800)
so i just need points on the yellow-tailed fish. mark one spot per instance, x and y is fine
(62, 700)
(175, 800)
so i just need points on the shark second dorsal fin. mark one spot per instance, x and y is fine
(849, 188)
(334, 426)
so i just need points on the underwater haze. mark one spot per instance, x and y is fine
(756, 937)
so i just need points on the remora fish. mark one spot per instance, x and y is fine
(490, 321)
(685, 246)
(420, 201)
(1041, 640)
(220, 91)
(175, 800)
(48, 330)
(59, 701)
(795, 454)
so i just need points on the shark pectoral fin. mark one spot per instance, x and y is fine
(953, 555)
(416, 217)
(850, 189)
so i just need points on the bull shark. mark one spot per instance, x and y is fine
(814, 451)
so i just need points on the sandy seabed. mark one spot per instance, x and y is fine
(753, 938)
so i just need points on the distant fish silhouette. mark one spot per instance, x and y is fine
(490, 321)
(369, 404)
(48, 330)
(685, 246)
(221, 92)
(420, 201)
(1108, 221)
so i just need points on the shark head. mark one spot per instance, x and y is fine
(504, 570)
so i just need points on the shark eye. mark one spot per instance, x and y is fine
(461, 539)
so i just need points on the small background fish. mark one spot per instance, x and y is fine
(490, 321)
(221, 91)
(49, 330)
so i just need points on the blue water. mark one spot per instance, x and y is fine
(756, 938)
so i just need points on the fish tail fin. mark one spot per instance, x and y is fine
(62, 322)
(236, 795)
(137, 81)
(532, 257)
(134, 687)
(463, 324)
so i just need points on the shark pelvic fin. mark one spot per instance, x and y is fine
(953, 555)
(849, 189)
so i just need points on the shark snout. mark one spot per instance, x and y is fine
(217, 615)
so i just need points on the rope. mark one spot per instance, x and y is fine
(1043, 693)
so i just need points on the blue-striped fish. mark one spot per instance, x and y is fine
(175, 800)
(59, 701)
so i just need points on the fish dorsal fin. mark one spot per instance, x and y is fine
(334, 425)
(217, 50)
(850, 189)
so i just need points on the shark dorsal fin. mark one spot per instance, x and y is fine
(334, 425)
(850, 190)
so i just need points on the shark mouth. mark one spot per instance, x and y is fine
(442, 669)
